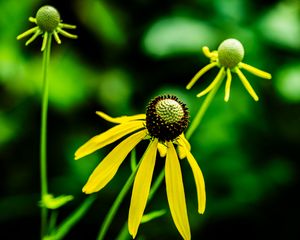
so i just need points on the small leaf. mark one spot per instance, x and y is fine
(51, 202)
(153, 215)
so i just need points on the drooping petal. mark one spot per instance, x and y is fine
(182, 145)
(121, 119)
(218, 78)
(200, 73)
(255, 71)
(46, 38)
(246, 84)
(108, 167)
(56, 37)
(65, 25)
(199, 180)
(66, 34)
(108, 137)
(162, 149)
(198, 176)
(28, 32)
(34, 36)
(175, 192)
(141, 188)
(227, 85)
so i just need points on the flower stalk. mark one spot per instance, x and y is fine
(43, 136)
(202, 110)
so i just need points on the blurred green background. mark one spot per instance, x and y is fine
(127, 53)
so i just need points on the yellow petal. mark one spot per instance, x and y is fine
(28, 32)
(175, 192)
(108, 167)
(121, 119)
(182, 145)
(198, 176)
(218, 78)
(206, 52)
(227, 85)
(162, 149)
(56, 37)
(200, 73)
(255, 71)
(246, 84)
(46, 38)
(66, 34)
(141, 188)
(108, 137)
(213, 56)
(199, 180)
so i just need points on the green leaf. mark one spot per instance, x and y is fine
(153, 215)
(51, 202)
(68, 223)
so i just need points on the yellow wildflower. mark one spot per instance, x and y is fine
(163, 124)
(228, 58)
(48, 22)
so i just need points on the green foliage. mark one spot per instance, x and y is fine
(127, 53)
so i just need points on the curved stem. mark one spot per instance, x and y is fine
(202, 110)
(114, 208)
(70, 221)
(43, 136)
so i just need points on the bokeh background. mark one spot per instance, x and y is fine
(127, 53)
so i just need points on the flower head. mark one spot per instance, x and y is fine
(48, 22)
(163, 124)
(228, 58)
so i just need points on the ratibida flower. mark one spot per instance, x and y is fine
(163, 124)
(48, 22)
(228, 58)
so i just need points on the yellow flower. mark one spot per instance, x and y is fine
(48, 22)
(228, 58)
(163, 124)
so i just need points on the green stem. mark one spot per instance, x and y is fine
(123, 235)
(65, 227)
(43, 137)
(202, 110)
(114, 208)
(156, 184)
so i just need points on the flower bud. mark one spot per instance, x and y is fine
(230, 53)
(47, 18)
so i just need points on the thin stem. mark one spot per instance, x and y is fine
(133, 160)
(114, 208)
(156, 184)
(65, 227)
(43, 137)
(202, 110)
(52, 220)
(123, 235)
